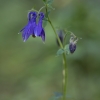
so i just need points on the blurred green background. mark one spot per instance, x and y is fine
(31, 70)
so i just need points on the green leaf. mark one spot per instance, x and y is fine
(50, 2)
(60, 51)
(66, 49)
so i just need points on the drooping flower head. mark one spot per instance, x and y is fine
(29, 28)
(39, 30)
(72, 44)
(61, 36)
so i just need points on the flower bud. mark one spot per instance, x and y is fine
(72, 47)
(61, 36)
(72, 44)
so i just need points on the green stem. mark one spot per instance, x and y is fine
(64, 77)
(61, 45)
(64, 62)
(41, 9)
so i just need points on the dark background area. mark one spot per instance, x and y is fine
(31, 70)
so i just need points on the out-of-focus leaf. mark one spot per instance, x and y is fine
(57, 96)
(60, 51)
(66, 49)
(66, 46)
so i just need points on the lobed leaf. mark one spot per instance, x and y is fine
(60, 51)
(66, 49)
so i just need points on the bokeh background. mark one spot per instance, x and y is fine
(31, 70)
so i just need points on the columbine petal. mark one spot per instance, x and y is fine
(39, 30)
(26, 32)
(29, 28)
(43, 35)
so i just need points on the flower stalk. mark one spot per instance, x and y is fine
(64, 60)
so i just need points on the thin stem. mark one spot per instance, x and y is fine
(64, 60)
(61, 45)
(41, 9)
(64, 76)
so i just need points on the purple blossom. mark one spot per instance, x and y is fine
(72, 47)
(39, 30)
(29, 28)
(72, 44)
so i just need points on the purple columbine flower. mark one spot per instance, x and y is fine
(29, 28)
(72, 44)
(72, 47)
(39, 30)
